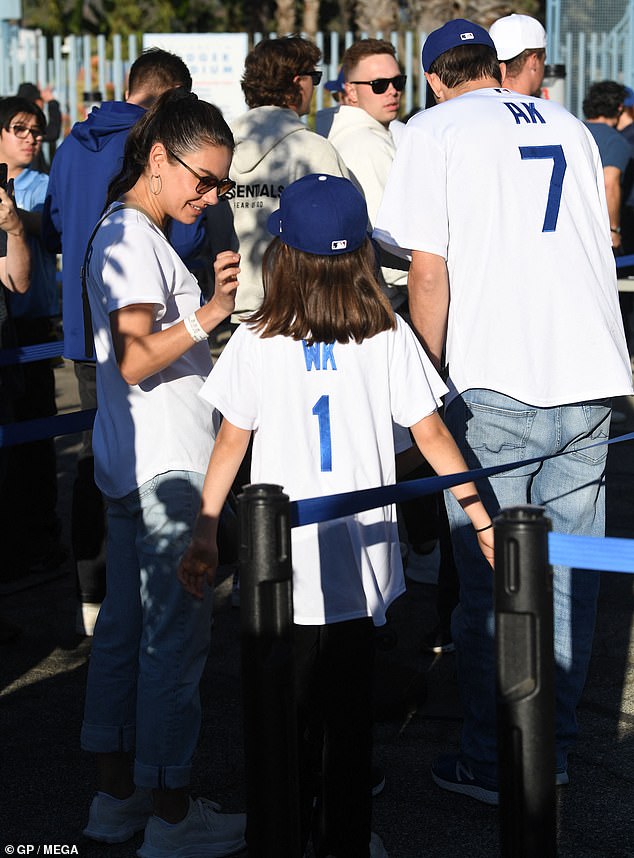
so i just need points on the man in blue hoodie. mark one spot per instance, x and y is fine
(81, 171)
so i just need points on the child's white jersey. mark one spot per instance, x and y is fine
(509, 190)
(322, 417)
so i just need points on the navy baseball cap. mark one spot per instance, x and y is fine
(628, 101)
(321, 214)
(335, 85)
(452, 35)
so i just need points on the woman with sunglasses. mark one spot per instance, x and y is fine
(152, 439)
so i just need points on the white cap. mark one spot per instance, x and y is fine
(516, 33)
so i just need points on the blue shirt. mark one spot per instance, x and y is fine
(614, 149)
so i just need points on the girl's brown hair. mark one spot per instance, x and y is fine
(321, 299)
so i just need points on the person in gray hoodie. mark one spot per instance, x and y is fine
(273, 148)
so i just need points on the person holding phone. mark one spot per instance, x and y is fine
(15, 259)
(15, 263)
(31, 495)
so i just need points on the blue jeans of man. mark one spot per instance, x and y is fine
(492, 429)
(151, 639)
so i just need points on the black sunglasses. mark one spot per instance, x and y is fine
(207, 183)
(315, 75)
(380, 85)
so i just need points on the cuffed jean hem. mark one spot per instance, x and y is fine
(161, 777)
(99, 739)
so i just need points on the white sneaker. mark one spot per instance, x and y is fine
(204, 833)
(115, 820)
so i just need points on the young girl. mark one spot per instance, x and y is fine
(319, 374)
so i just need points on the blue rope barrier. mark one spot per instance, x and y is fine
(625, 261)
(28, 354)
(580, 552)
(46, 427)
(604, 554)
(314, 510)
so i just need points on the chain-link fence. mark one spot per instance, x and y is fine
(595, 41)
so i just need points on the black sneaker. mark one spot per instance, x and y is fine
(452, 773)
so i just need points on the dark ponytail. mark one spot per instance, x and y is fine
(181, 122)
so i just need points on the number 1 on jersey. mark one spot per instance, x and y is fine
(533, 153)
(321, 410)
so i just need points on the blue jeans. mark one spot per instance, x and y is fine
(151, 639)
(492, 429)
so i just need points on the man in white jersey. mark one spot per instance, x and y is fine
(499, 201)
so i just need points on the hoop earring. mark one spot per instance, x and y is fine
(159, 185)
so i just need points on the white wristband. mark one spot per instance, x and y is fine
(194, 328)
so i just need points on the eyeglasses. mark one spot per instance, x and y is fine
(207, 183)
(23, 131)
(380, 85)
(315, 75)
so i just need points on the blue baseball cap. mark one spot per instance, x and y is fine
(321, 214)
(335, 85)
(452, 35)
(628, 101)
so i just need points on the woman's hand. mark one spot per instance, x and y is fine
(226, 270)
(199, 562)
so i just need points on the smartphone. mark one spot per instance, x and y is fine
(3, 176)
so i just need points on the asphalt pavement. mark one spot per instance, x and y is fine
(46, 781)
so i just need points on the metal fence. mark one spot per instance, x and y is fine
(77, 66)
(598, 44)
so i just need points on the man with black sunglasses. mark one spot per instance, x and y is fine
(361, 133)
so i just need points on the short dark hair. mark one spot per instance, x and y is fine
(270, 69)
(466, 63)
(515, 65)
(13, 104)
(321, 299)
(157, 70)
(364, 48)
(604, 99)
(29, 91)
(182, 123)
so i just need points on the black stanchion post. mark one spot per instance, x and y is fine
(525, 684)
(270, 727)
